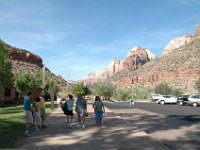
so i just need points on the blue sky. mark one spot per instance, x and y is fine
(77, 37)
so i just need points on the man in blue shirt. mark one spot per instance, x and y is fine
(81, 109)
(28, 114)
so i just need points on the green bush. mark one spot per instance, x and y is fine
(121, 94)
(163, 88)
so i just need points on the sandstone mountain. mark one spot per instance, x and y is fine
(25, 61)
(176, 43)
(179, 68)
(135, 59)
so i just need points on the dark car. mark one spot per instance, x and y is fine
(182, 100)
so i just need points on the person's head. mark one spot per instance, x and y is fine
(97, 98)
(37, 99)
(42, 94)
(70, 97)
(80, 95)
(29, 93)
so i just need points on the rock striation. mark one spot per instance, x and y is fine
(180, 69)
(25, 61)
(176, 43)
(136, 57)
(179, 66)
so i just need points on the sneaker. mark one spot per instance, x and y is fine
(37, 129)
(78, 126)
(27, 134)
(43, 126)
(70, 126)
(83, 126)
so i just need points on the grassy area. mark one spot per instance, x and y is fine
(12, 124)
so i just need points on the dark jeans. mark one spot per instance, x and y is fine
(98, 117)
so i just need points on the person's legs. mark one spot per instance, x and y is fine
(96, 118)
(68, 119)
(43, 118)
(29, 122)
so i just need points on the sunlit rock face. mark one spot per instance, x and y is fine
(136, 57)
(197, 32)
(176, 43)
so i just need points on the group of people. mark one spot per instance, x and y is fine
(34, 111)
(81, 110)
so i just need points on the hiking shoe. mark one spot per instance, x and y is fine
(27, 134)
(83, 126)
(43, 126)
(78, 126)
(37, 129)
(70, 126)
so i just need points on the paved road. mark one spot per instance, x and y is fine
(176, 127)
(115, 134)
(187, 113)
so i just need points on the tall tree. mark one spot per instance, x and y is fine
(26, 82)
(5, 69)
(163, 88)
(51, 86)
(80, 88)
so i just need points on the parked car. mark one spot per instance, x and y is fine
(155, 97)
(194, 100)
(167, 99)
(182, 99)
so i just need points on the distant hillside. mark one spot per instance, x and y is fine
(179, 66)
(180, 69)
(24, 61)
(136, 57)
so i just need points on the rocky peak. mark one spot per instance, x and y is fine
(134, 60)
(176, 43)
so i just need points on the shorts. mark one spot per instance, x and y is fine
(42, 114)
(69, 113)
(29, 117)
(81, 113)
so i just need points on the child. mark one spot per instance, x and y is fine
(99, 110)
(37, 114)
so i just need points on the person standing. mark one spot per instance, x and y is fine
(69, 110)
(28, 114)
(132, 101)
(37, 114)
(59, 102)
(99, 110)
(81, 109)
(42, 110)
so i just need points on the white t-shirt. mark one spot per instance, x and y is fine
(59, 99)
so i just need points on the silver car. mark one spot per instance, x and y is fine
(167, 99)
(194, 100)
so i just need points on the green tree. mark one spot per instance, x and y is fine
(122, 94)
(26, 82)
(141, 92)
(50, 86)
(104, 89)
(163, 88)
(80, 88)
(5, 69)
(197, 85)
(177, 92)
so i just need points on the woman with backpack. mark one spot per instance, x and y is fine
(69, 110)
(99, 110)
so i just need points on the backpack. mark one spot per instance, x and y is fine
(64, 107)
